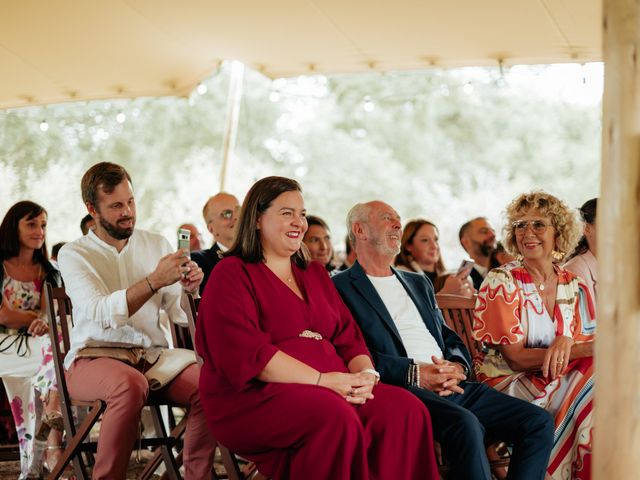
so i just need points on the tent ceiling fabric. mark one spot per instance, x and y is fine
(65, 50)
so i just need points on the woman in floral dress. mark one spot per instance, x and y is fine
(26, 361)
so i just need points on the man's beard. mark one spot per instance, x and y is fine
(115, 231)
(384, 248)
(486, 249)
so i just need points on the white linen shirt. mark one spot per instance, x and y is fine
(96, 278)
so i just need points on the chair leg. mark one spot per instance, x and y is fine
(171, 465)
(230, 463)
(153, 464)
(73, 450)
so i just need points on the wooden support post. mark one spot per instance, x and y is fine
(617, 402)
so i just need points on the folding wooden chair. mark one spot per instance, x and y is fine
(229, 460)
(458, 315)
(77, 441)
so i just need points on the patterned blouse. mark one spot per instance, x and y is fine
(23, 296)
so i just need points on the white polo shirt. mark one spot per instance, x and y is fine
(416, 337)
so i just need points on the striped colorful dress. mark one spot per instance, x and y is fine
(509, 310)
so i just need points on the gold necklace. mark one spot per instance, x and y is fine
(540, 285)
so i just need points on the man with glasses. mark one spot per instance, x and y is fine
(220, 214)
(478, 238)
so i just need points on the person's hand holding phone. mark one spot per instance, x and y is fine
(465, 268)
(192, 279)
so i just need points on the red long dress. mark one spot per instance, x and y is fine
(298, 431)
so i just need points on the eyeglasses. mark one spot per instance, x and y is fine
(537, 226)
(226, 214)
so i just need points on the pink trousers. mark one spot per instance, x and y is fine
(125, 391)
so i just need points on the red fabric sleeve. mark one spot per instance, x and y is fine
(229, 334)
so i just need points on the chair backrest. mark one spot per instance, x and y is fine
(188, 304)
(59, 314)
(458, 314)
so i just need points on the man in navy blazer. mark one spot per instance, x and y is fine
(413, 348)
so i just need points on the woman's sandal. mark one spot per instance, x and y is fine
(50, 421)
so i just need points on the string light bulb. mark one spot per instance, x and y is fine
(120, 117)
(201, 89)
(44, 126)
(368, 104)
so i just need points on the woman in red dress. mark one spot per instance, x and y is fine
(287, 380)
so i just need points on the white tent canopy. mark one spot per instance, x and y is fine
(65, 50)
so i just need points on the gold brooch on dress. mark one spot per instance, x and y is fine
(310, 334)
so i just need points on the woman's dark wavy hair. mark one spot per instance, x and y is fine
(247, 244)
(409, 232)
(9, 236)
(588, 213)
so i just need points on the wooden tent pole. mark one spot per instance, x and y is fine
(617, 401)
(233, 114)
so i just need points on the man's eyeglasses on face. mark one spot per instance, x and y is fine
(537, 226)
(228, 213)
(225, 214)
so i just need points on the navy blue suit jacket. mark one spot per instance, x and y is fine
(379, 330)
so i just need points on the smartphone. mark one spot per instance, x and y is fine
(184, 237)
(465, 268)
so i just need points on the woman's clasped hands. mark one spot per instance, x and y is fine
(557, 356)
(355, 388)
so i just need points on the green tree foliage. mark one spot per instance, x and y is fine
(446, 145)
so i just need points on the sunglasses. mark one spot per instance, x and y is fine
(537, 226)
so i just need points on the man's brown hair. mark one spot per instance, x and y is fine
(103, 175)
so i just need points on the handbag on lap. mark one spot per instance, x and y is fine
(159, 365)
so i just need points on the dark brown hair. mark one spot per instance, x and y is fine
(588, 213)
(408, 234)
(103, 175)
(317, 221)
(465, 226)
(9, 236)
(247, 244)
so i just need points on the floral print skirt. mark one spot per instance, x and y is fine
(28, 379)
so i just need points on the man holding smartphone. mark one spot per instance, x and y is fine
(118, 279)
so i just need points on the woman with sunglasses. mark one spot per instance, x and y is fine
(287, 381)
(538, 321)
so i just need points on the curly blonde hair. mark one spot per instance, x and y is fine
(564, 220)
